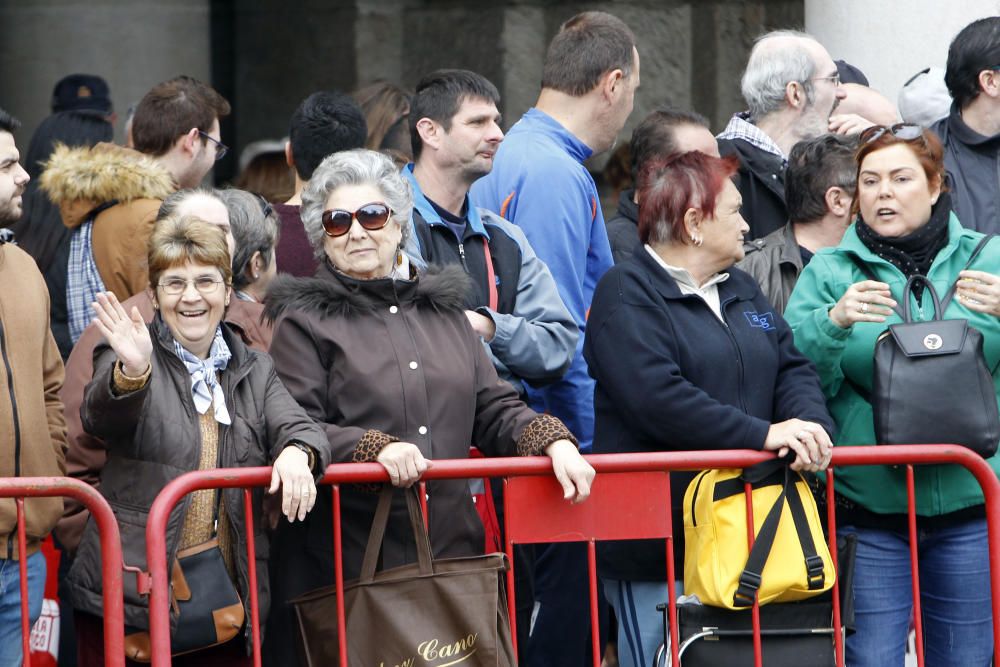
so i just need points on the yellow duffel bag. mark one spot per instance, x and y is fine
(790, 559)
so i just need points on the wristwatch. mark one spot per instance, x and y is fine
(305, 448)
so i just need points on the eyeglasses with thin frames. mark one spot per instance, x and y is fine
(204, 284)
(220, 148)
(833, 78)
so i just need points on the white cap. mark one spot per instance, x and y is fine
(924, 99)
(253, 149)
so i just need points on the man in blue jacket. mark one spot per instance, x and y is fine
(539, 183)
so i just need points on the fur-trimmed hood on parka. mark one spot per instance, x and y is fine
(332, 293)
(79, 179)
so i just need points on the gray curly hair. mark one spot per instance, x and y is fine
(354, 167)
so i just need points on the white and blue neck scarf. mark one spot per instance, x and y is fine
(204, 383)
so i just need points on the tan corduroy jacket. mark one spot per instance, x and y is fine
(32, 428)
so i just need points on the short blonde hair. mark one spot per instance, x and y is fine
(180, 239)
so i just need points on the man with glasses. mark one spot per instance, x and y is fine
(971, 132)
(109, 195)
(791, 86)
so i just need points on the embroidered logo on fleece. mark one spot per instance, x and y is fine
(763, 321)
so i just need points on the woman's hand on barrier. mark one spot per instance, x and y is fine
(866, 301)
(979, 291)
(572, 470)
(404, 462)
(127, 334)
(810, 442)
(292, 475)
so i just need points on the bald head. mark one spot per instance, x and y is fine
(200, 203)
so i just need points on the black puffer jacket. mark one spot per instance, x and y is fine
(153, 437)
(761, 182)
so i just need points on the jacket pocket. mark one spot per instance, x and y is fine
(246, 436)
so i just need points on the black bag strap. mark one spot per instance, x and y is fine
(750, 578)
(975, 253)
(377, 534)
(870, 275)
(929, 288)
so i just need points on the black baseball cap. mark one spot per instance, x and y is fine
(849, 73)
(80, 92)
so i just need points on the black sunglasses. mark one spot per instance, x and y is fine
(904, 131)
(373, 216)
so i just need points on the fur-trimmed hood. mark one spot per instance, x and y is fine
(79, 179)
(332, 293)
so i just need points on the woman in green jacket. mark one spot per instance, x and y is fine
(905, 227)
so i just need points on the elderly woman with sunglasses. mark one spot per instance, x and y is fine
(387, 354)
(905, 227)
(185, 393)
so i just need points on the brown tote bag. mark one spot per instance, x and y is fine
(432, 613)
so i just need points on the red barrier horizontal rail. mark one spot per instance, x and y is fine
(350, 473)
(111, 550)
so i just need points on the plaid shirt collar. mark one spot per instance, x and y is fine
(740, 127)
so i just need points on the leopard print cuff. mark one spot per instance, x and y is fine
(541, 432)
(370, 445)
(123, 384)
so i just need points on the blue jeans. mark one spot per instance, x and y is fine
(954, 596)
(10, 604)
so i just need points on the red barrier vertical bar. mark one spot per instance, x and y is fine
(758, 651)
(252, 574)
(595, 626)
(509, 547)
(338, 575)
(22, 566)
(423, 505)
(831, 527)
(675, 631)
(911, 511)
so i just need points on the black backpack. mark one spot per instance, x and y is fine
(930, 380)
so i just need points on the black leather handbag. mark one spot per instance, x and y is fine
(206, 606)
(931, 383)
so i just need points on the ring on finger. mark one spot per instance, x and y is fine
(863, 308)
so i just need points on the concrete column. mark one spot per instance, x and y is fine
(133, 44)
(892, 41)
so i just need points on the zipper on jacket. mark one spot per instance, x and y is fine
(16, 422)
(739, 355)
(461, 255)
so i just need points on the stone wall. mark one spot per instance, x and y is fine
(267, 55)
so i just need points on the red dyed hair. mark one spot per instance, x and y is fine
(669, 187)
(926, 148)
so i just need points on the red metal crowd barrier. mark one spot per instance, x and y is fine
(20, 488)
(630, 500)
